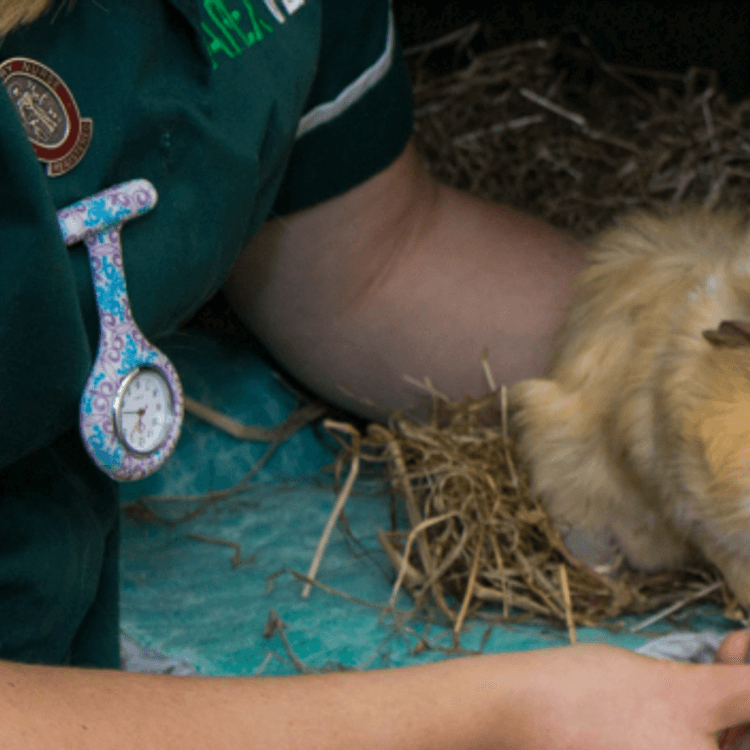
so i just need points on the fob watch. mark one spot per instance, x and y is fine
(132, 405)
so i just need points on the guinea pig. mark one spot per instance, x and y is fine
(641, 429)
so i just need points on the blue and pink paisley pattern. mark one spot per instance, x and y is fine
(122, 346)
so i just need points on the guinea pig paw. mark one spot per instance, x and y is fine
(594, 548)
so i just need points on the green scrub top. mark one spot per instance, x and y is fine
(236, 111)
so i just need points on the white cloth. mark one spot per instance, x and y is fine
(698, 648)
(135, 658)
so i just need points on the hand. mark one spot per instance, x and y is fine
(733, 650)
(599, 697)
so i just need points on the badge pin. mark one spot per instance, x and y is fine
(58, 134)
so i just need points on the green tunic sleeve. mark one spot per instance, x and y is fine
(358, 115)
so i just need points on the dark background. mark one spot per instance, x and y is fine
(661, 36)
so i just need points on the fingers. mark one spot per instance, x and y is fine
(734, 739)
(724, 693)
(734, 648)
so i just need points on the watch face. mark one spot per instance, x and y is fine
(144, 410)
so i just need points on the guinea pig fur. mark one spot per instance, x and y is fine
(641, 429)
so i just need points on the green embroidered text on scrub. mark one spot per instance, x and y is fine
(225, 33)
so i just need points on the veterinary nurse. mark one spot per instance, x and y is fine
(276, 135)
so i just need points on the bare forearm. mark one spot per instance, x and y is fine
(588, 697)
(436, 706)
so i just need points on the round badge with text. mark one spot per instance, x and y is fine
(49, 113)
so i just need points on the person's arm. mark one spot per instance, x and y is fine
(585, 697)
(463, 703)
(402, 276)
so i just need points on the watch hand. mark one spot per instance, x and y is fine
(139, 425)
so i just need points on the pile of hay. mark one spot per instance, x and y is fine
(479, 543)
(547, 127)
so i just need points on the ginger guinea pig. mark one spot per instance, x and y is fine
(641, 429)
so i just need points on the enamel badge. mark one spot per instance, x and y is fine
(49, 113)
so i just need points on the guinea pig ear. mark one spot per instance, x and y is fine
(731, 333)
